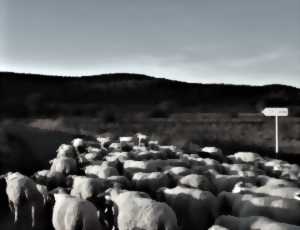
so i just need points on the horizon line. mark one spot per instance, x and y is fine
(139, 74)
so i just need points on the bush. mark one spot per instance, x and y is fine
(162, 110)
(34, 103)
(109, 116)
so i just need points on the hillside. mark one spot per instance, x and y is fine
(39, 112)
(23, 95)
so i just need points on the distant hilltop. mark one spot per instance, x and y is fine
(24, 95)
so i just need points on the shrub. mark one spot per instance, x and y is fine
(109, 116)
(163, 110)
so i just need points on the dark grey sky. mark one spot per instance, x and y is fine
(228, 41)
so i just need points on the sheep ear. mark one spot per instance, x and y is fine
(297, 196)
(51, 162)
(6, 175)
(108, 191)
(106, 195)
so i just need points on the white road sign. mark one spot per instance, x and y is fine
(273, 112)
(276, 112)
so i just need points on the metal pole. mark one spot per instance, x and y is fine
(276, 135)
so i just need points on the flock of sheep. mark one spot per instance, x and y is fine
(134, 183)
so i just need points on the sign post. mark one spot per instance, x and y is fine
(276, 112)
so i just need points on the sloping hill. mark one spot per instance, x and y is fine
(26, 94)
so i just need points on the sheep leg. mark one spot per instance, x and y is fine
(11, 206)
(33, 212)
(16, 215)
(13, 210)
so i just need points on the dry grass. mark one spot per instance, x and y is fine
(35, 140)
(238, 133)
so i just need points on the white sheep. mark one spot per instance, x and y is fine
(86, 187)
(125, 139)
(137, 211)
(150, 182)
(245, 157)
(283, 192)
(279, 209)
(252, 223)
(102, 171)
(103, 141)
(213, 152)
(195, 209)
(71, 213)
(132, 166)
(65, 150)
(79, 145)
(23, 195)
(43, 191)
(65, 165)
(141, 137)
